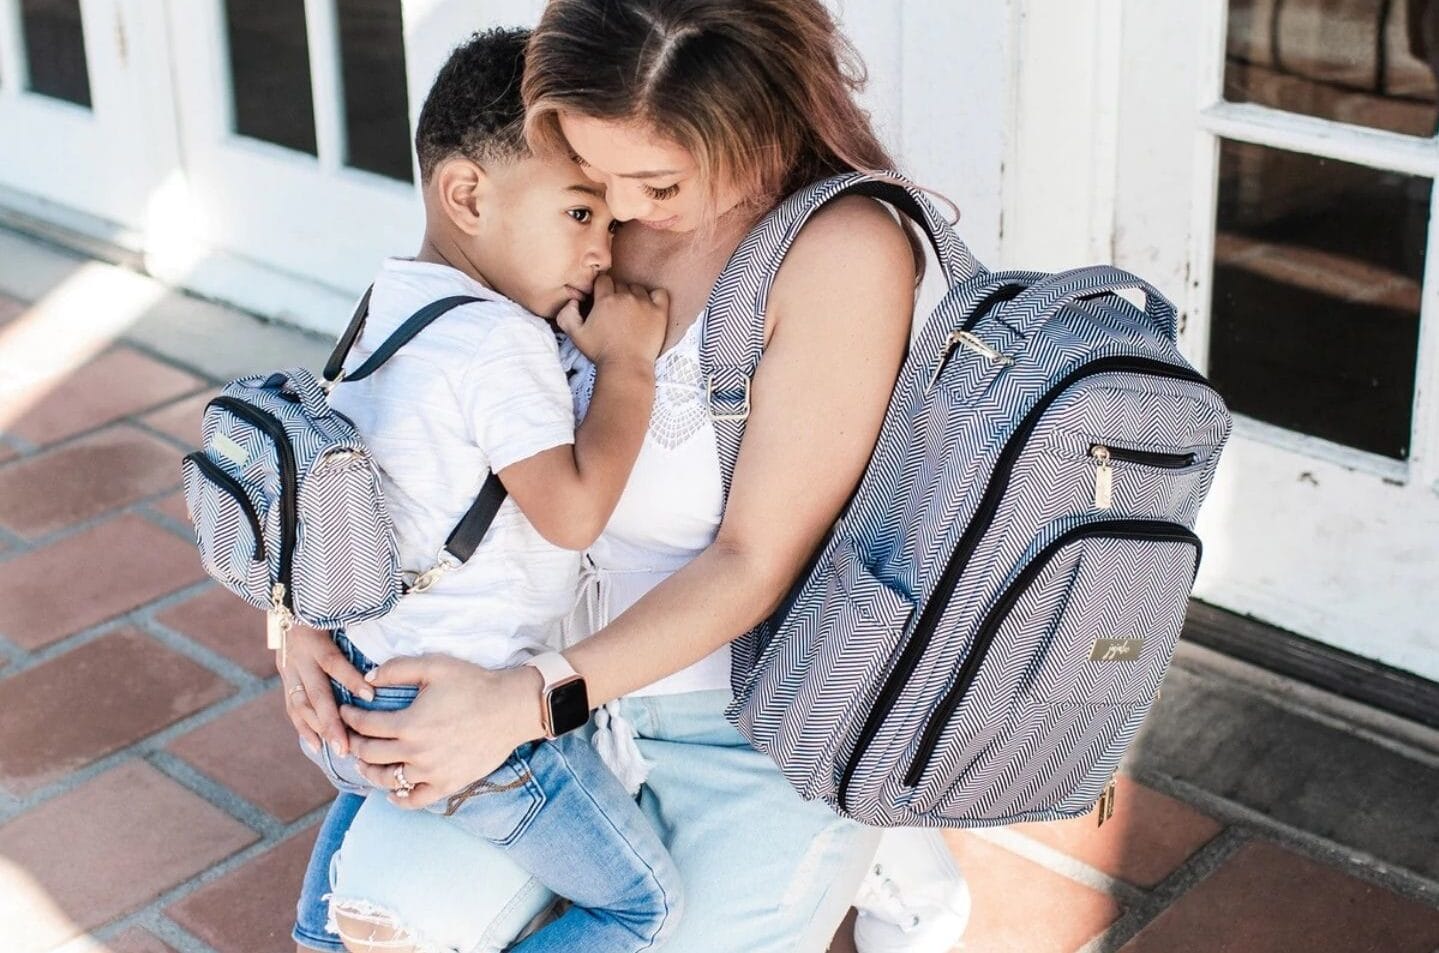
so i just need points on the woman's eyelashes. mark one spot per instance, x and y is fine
(657, 194)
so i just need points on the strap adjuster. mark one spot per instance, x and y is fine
(740, 415)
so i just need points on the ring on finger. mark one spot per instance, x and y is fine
(299, 687)
(403, 787)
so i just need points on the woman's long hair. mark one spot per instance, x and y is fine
(761, 92)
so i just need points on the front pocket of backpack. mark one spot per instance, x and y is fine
(345, 567)
(1089, 624)
(228, 525)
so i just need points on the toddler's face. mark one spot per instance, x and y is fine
(545, 233)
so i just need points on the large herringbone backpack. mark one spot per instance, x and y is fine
(984, 629)
(286, 499)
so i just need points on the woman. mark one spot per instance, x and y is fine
(697, 116)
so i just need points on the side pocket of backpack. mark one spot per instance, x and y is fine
(228, 518)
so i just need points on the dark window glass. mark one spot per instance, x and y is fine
(1317, 274)
(372, 64)
(270, 72)
(55, 49)
(1367, 62)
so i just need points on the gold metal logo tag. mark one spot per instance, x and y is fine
(1116, 650)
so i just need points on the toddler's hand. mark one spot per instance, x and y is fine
(626, 323)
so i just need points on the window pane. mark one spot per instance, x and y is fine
(1368, 62)
(270, 72)
(372, 64)
(1318, 267)
(55, 49)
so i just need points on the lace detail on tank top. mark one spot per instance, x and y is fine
(679, 411)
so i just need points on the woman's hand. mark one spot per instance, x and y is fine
(311, 660)
(463, 724)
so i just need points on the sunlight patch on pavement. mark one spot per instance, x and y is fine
(65, 329)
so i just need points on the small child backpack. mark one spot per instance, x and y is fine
(984, 629)
(286, 502)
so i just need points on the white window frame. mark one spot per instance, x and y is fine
(1326, 138)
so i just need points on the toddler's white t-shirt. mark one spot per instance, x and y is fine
(479, 389)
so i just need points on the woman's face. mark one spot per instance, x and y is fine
(648, 179)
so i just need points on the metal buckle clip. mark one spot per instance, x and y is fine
(741, 415)
(328, 385)
(423, 581)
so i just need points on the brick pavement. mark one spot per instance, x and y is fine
(152, 797)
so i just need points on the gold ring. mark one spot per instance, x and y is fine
(297, 688)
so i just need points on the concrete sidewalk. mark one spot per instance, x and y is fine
(152, 797)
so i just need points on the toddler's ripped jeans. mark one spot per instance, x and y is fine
(557, 811)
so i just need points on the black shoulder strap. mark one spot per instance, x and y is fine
(404, 334)
(465, 538)
(471, 528)
(336, 364)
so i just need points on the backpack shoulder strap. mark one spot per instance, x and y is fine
(404, 334)
(732, 339)
(465, 538)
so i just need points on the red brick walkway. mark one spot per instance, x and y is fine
(152, 797)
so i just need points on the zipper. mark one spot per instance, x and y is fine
(1105, 807)
(275, 430)
(971, 341)
(1104, 473)
(978, 526)
(1158, 530)
(278, 622)
(1149, 458)
(217, 475)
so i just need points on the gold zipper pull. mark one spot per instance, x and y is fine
(1103, 478)
(278, 621)
(1105, 808)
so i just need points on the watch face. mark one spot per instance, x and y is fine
(569, 706)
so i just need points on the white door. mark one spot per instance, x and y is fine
(295, 130)
(1275, 170)
(81, 137)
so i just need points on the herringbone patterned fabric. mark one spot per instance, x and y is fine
(285, 496)
(272, 446)
(985, 629)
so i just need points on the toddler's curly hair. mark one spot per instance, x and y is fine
(474, 107)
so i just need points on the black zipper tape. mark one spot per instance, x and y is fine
(275, 430)
(1149, 458)
(216, 474)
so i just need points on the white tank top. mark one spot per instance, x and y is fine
(668, 513)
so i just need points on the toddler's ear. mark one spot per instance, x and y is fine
(461, 185)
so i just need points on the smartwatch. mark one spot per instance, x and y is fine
(564, 700)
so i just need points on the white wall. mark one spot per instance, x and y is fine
(941, 93)
(1060, 186)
